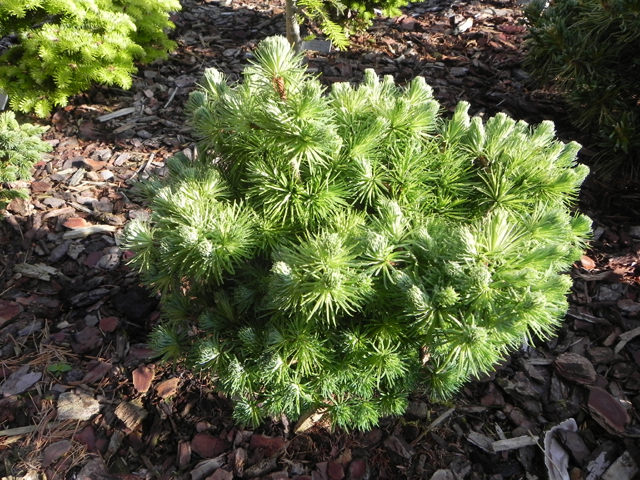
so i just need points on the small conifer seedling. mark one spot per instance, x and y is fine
(336, 252)
(20, 148)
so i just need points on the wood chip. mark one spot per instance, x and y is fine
(86, 231)
(625, 338)
(482, 441)
(168, 387)
(39, 271)
(130, 414)
(514, 443)
(118, 113)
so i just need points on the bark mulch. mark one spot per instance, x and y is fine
(80, 394)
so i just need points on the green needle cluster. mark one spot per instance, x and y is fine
(339, 251)
(20, 148)
(63, 47)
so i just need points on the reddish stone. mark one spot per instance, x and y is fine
(92, 259)
(358, 469)
(269, 445)
(184, 454)
(335, 471)
(142, 378)
(207, 446)
(8, 310)
(86, 437)
(75, 222)
(54, 451)
(40, 187)
(221, 474)
(94, 164)
(86, 340)
(108, 324)
(96, 372)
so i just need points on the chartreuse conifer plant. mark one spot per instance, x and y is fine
(20, 147)
(64, 46)
(336, 252)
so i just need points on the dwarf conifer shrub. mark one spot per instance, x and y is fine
(340, 251)
(20, 148)
(64, 46)
(589, 50)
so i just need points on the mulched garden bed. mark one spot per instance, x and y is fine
(81, 396)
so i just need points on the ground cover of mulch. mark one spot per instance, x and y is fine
(81, 396)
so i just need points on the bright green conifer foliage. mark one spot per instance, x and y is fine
(20, 148)
(65, 46)
(341, 251)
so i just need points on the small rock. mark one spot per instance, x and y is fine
(97, 371)
(184, 454)
(86, 340)
(94, 165)
(269, 445)
(458, 71)
(40, 187)
(109, 324)
(59, 252)
(54, 202)
(400, 446)
(358, 469)
(109, 261)
(94, 469)
(576, 368)
(610, 293)
(54, 451)
(91, 320)
(93, 258)
(77, 406)
(629, 306)
(601, 355)
(635, 231)
(444, 475)
(87, 437)
(8, 311)
(106, 175)
(75, 249)
(418, 410)
(144, 134)
(221, 474)
(335, 471)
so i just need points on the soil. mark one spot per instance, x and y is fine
(81, 395)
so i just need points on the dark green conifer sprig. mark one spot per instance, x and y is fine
(341, 251)
(66, 46)
(20, 147)
(588, 49)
